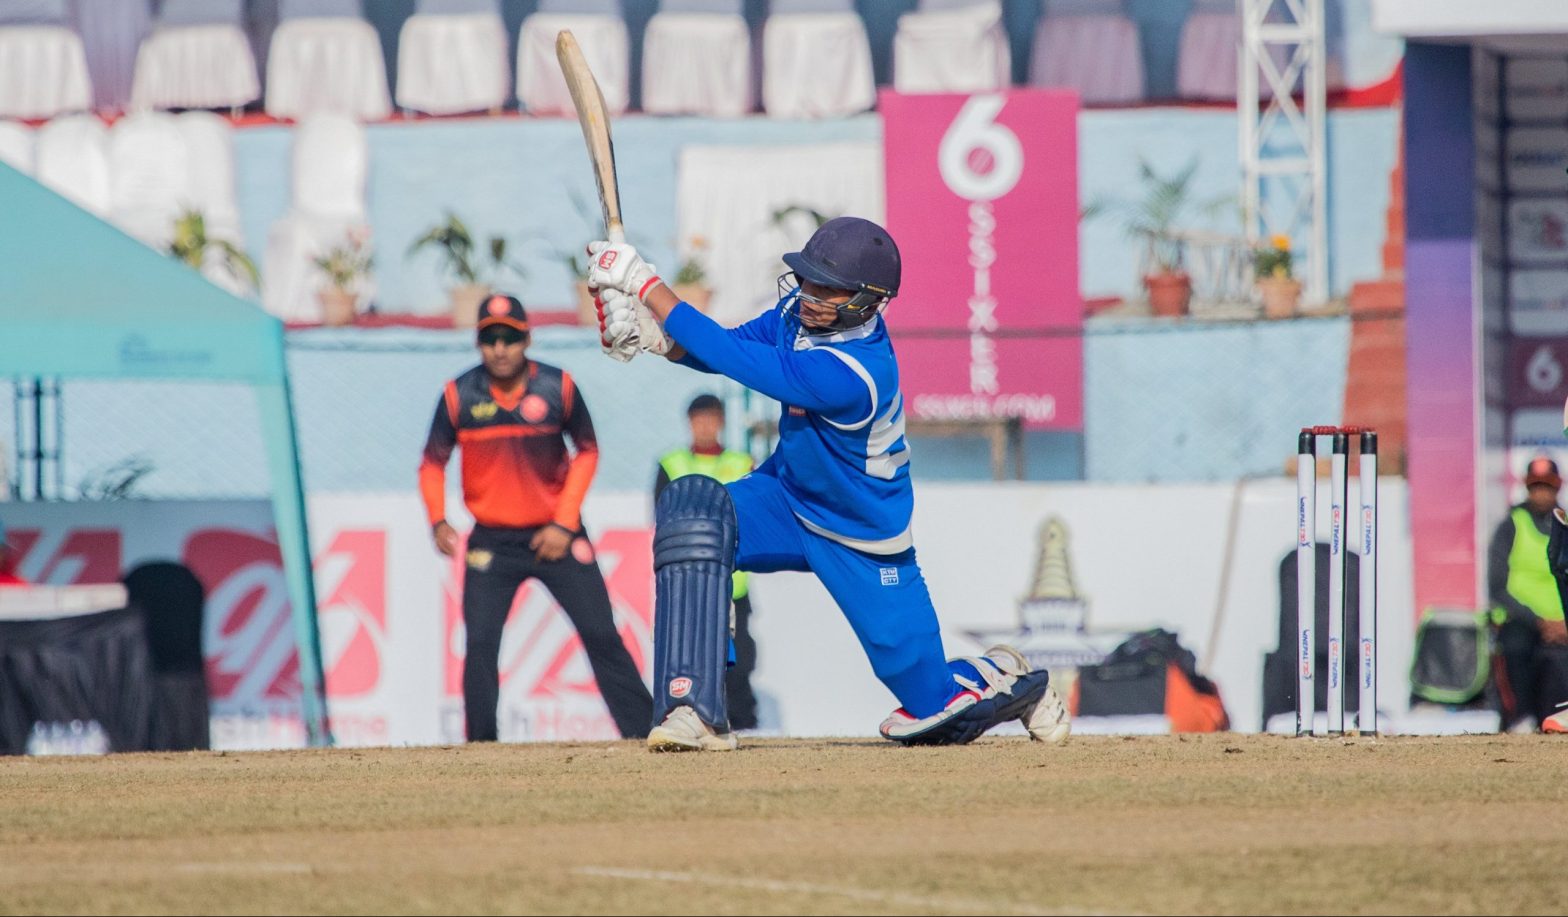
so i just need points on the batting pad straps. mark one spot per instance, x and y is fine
(693, 556)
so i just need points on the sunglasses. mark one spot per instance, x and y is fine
(493, 336)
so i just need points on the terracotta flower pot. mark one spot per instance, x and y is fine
(699, 295)
(338, 307)
(464, 300)
(587, 315)
(1281, 296)
(1169, 293)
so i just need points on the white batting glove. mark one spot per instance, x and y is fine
(650, 334)
(617, 266)
(617, 324)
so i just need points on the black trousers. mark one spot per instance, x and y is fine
(1536, 674)
(499, 560)
(738, 697)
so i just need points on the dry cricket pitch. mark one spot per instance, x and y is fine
(1212, 824)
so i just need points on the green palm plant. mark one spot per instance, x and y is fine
(194, 247)
(462, 257)
(1167, 203)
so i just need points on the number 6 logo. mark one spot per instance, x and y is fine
(1543, 372)
(980, 159)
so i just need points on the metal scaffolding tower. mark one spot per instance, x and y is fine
(1280, 104)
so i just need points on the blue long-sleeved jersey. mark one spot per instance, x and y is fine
(842, 456)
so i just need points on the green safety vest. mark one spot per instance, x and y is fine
(1530, 577)
(725, 467)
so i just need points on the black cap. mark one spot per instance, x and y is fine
(704, 402)
(849, 253)
(501, 309)
(1542, 470)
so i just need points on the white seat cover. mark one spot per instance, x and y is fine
(71, 157)
(451, 63)
(540, 87)
(816, 65)
(963, 49)
(149, 172)
(43, 72)
(16, 146)
(697, 64)
(330, 64)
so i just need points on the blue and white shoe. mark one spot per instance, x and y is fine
(1008, 690)
(1047, 720)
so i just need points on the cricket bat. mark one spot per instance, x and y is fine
(595, 120)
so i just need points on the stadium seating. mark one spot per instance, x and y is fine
(149, 171)
(1090, 46)
(326, 58)
(330, 164)
(43, 66)
(111, 35)
(600, 30)
(1206, 62)
(696, 59)
(452, 57)
(16, 146)
(210, 189)
(816, 60)
(952, 46)
(71, 157)
(198, 56)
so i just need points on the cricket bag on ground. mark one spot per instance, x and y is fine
(1151, 674)
(1453, 658)
(1279, 666)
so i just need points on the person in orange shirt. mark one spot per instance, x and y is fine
(525, 490)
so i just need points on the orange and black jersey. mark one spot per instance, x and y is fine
(517, 471)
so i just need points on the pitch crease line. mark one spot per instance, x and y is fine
(811, 888)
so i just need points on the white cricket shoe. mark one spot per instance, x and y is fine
(683, 730)
(1048, 720)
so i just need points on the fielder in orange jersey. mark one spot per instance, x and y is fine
(525, 490)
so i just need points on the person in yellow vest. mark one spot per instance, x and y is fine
(1528, 607)
(706, 456)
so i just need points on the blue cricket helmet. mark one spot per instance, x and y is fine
(849, 253)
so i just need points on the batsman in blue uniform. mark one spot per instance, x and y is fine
(834, 498)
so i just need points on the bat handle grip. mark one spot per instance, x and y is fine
(615, 231)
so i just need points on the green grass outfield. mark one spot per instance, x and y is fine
(1212, 824)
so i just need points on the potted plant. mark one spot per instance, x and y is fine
(577, 263)
(473, 269)
(1167, 201)
(344, 265)
(691, 279)
(219, 259)
(1271, 271)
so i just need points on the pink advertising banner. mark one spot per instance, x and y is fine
(982, 196)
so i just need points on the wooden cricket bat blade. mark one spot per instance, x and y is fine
(594, 117)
